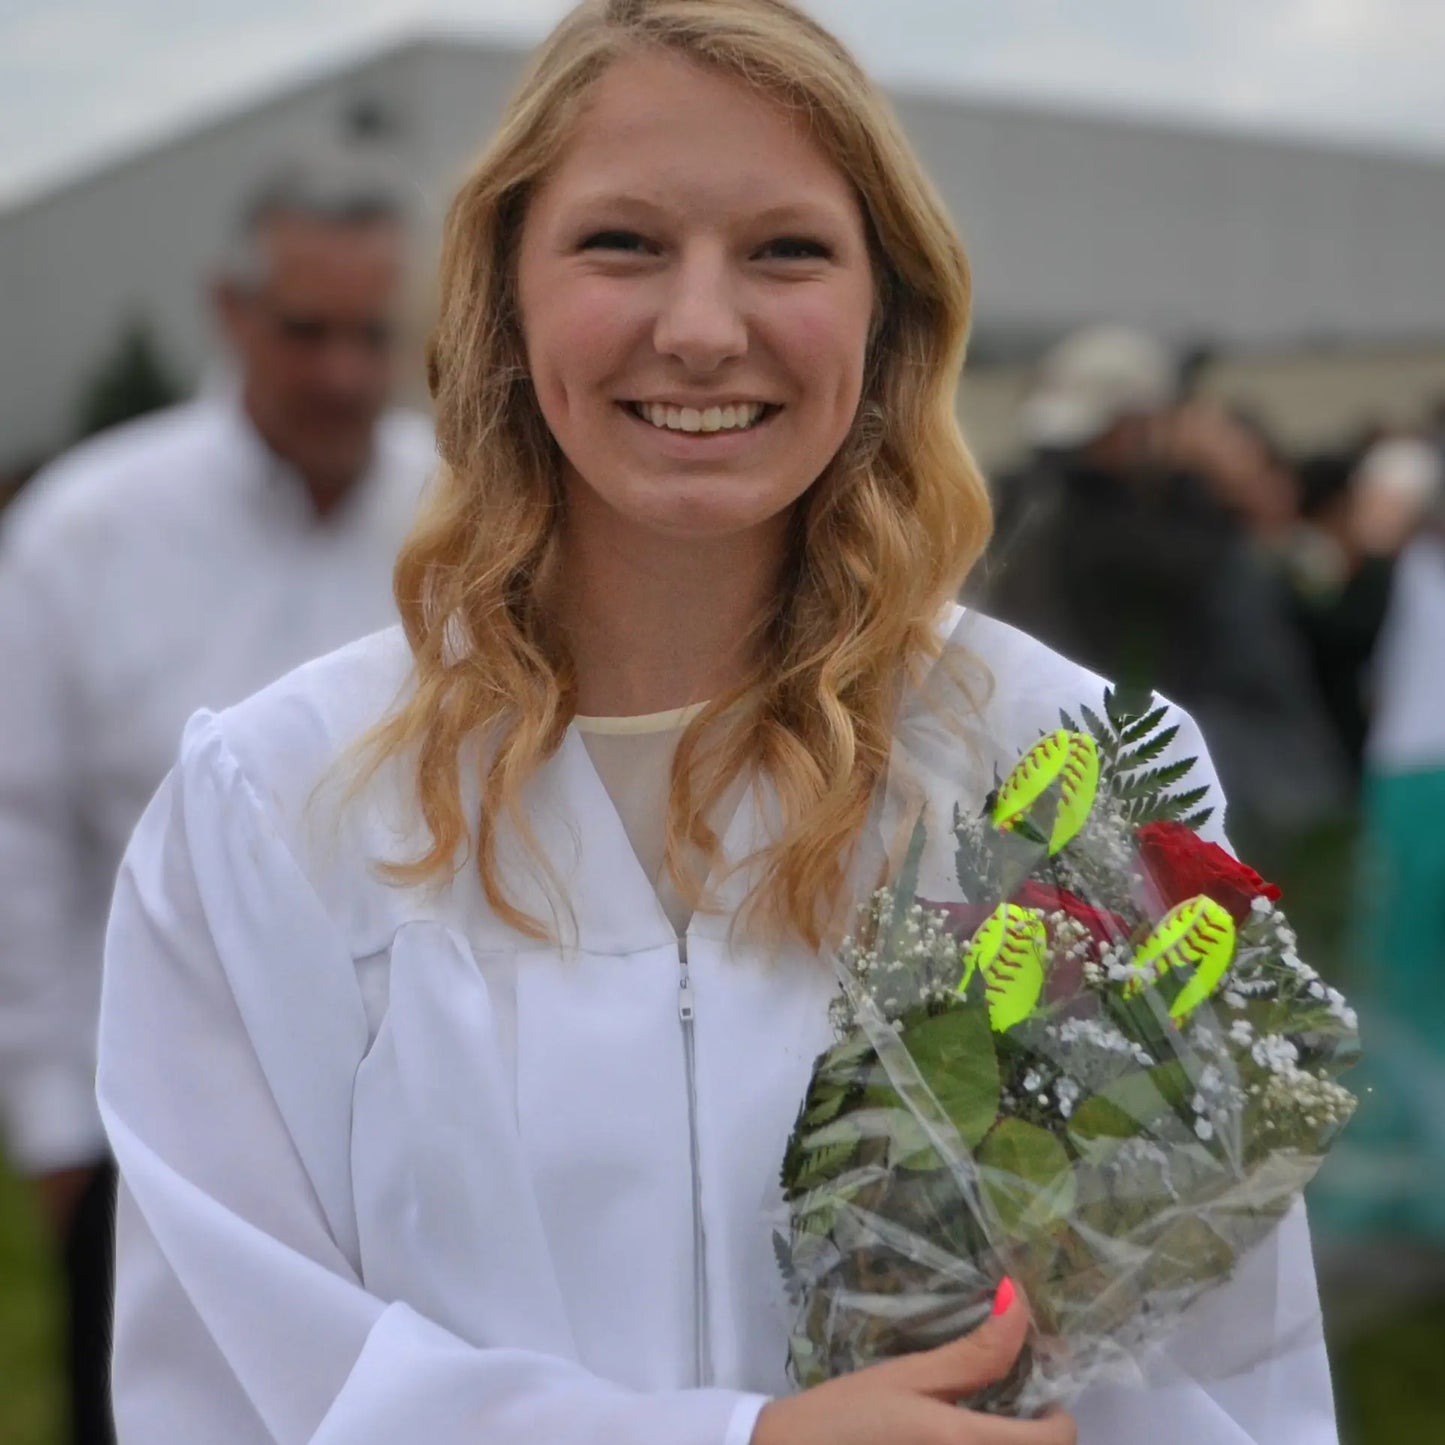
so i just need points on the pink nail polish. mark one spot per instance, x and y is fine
(1004, 1298)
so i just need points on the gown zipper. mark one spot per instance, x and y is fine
(686, 1011)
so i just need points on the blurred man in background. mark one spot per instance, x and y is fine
(1135, 542)
(181, 561)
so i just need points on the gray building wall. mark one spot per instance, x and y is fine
(1246, 242)
(140, 238)
(1251, 241)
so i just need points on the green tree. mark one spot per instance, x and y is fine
(133, 379)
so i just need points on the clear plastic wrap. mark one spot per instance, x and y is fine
(1091, 1059)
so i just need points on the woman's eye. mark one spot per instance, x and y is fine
(614, 241)
(797, 248)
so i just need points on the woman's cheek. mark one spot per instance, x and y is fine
(600, 323)
(823, 339)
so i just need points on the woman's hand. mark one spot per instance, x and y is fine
(911, 1401)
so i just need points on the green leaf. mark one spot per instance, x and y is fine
(1100, 1118)
(1139, 730)
(1027, 1176)
(1117, 710)
(906, 887)
(1190, 798)
(909, 1146)
(954, 1052)
(1171, 808)
(823, 1106)
(908, 878)
(1152, 782)
(783, 1253)
(840, 1064)
(1102, 733)
(1172, 773)
(822, 1164)
(838, 1073)
(815, 1212)
(1024, 828)
(1149, 750)
(1145, 1097)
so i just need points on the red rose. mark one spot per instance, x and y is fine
(963, 919)
(1100, 922)
(1182, 865)
(1066, 975)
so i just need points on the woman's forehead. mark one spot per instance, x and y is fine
(657, 127)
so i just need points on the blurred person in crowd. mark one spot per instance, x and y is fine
(1390, 1182)
(1339, 595)
(1357, 511)
(183, 560)
(1435, 426)
(1394, 489)
(1133, 542)
(1261, 486)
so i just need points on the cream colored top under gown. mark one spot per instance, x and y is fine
(633, 757)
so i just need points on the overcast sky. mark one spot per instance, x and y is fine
(83, 80)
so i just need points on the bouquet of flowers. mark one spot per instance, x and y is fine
(1106, 1073)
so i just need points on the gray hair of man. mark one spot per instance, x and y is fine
(331, 187)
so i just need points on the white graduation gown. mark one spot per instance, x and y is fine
(392, 1172)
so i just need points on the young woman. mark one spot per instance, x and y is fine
(462, 987)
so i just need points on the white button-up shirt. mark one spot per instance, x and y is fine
(172, 564)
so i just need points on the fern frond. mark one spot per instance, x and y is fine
(1148, 751)
(1102, 732)
(1137, 731)
(1190, 799)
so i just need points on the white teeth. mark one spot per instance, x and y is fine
(737, 417)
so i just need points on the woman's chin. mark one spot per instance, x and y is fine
(696, 518)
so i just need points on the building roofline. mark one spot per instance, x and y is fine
(208, 118)
(930, 93)
(1155, 120)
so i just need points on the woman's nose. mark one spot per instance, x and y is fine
(701, 321)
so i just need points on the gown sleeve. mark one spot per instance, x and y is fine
(230, 1032)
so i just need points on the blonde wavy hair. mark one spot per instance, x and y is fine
(880, 543)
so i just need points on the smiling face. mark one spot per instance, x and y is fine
(695, 290)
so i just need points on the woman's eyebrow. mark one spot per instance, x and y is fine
(799, 213)
(786, 213)
(615, 201)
